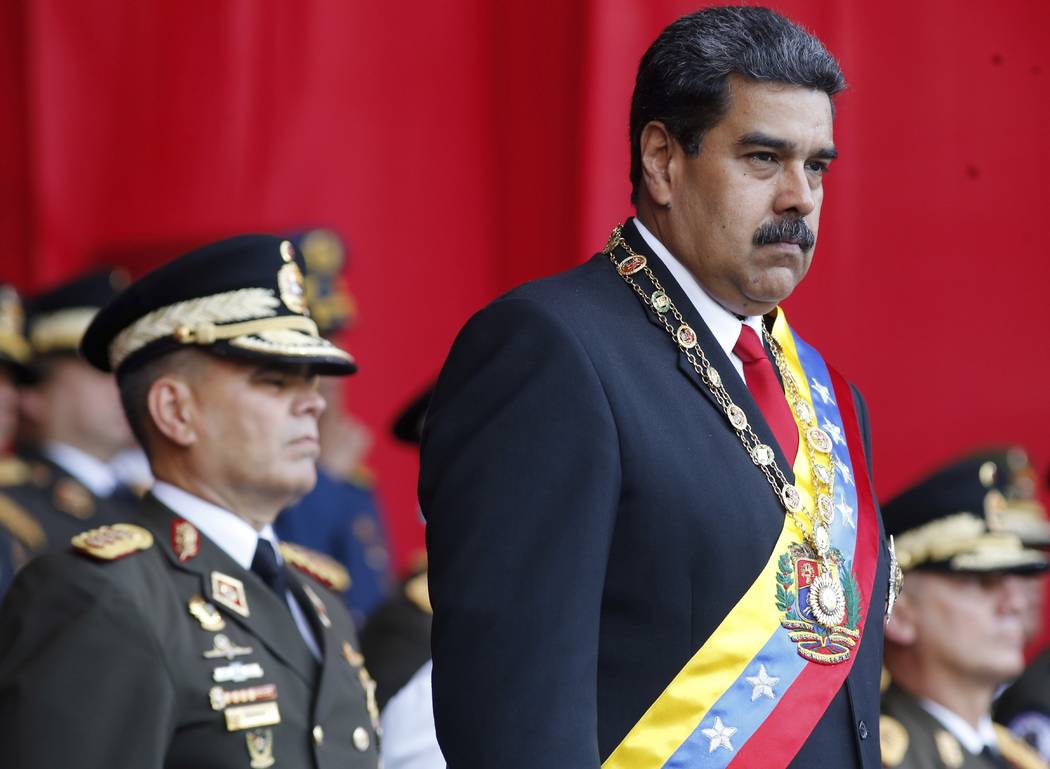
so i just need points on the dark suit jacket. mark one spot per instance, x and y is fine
(591, 518)
(102, 665)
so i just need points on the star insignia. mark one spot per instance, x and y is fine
(719, 736)
(834, 431)
(762, 684)
(822, 391)
(847, 513)
(844, 471)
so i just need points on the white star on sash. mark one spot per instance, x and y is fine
(847, 475)
(847, 513)
(762, 684)
(823, 392)
(719, 736)
(834, 431)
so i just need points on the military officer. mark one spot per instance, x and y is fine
(341, 516)
(73, 424)
(957, 631)
(20, 533)
(187, 635)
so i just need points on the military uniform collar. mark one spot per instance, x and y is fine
(90, 471)
(974, 740)
(724, 325)
(235, 536)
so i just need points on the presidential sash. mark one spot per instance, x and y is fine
(757, 687)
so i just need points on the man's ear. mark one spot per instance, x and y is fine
(902, 629)
(656, 149)
(172, 409)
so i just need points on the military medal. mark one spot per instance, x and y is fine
(220, 698)
(229, 591)
(206, 614)
(260, 748)
(223, 647)
(237, 672)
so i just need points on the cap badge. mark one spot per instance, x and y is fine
(290, 281)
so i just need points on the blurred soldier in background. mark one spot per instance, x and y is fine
(20, 533)
(180, 637)
(396, 643)
(72, 424)
(957, 632)
(341, 517)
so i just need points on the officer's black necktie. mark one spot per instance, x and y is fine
(995, 758)
(265, 565)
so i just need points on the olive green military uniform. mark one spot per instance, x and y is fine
(143, 651)
(913, 739)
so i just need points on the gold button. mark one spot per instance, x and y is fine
(318, 734)
(361, 738)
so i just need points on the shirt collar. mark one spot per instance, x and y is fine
(89, 470)
(724, 325)
(974, 740)
(233, 535)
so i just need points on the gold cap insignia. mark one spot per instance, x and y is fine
(185, 539)
(290, 282)
(72, 497)
(326, 570)
(260, 748)
(206, 614)
(229, 591)
(108, 543)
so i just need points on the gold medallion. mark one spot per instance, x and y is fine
(791, 497)
(822, 472)
(762, 455)
(737, 417)
(819, 440)
(661, 301)
(713, 376)
(206, 614)
(825, 507)
(686, 337)
(821, 539)
(631, 265)
(804, 412)
(260, 748)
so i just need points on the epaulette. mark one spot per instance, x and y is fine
(417, 590)
(1017, 751)
(13, 471)
(109, 543)
(325, 569)
(893, 738)
(21, 524)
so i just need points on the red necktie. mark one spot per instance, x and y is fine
(765, 389)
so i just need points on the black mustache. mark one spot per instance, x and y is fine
(785, 231)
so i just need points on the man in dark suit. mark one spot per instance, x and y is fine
(180, 637)
(651, 531)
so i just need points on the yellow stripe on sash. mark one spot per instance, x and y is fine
(720, 662)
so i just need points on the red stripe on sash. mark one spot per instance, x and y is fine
(783, 733)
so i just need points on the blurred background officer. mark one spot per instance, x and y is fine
(20, 533)
(957, 632)
(72, 422)
(180, 638)
(1025, 706)
(341, 516)
(396, 643)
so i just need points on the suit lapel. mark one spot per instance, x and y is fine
(268, 619)
(734, 384)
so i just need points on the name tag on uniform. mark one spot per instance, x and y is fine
(252, 716)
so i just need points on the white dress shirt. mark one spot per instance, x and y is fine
(89, 470)
(235, 537)
(409, 736)
(724, 325)
(974, 740)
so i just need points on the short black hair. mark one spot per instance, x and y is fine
(134, 387)
(683, 78)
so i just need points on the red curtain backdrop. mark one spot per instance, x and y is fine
(463, 148)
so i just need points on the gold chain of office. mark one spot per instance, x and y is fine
(817, 442)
